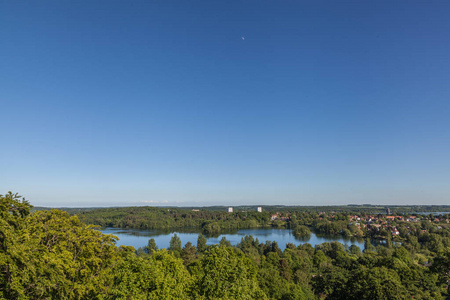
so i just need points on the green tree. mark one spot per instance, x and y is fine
(54, 256)
(228, 274)
(151, 246)
(175, 243)
(201, 243)
(159, 276)
(389, 240)
(332, 282)
(402, 254)
(13, 206)
(188, 253)
(170, 279)
(319, 258)
(302, 231)
(441, 265)
(355, 250)
(368, 247)
(375, 283)
(225, 242)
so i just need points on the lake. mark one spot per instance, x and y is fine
(139, 238)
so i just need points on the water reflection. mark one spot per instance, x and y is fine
(139, 238)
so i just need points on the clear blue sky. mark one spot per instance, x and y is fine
(225, 103)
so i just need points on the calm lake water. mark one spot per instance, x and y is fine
(139, 238)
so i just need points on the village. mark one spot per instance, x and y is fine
(376, 225)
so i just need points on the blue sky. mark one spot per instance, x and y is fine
(109, 103)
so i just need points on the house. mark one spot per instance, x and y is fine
(377, 226)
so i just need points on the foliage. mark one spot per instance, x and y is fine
(302, 231)
(151, 246)
(201, 243)
(159, 276)
(49, 254)
(228, 274)
(53, 255)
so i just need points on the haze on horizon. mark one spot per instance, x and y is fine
(115, 103)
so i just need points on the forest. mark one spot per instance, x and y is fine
(213, 221)
(51, 254)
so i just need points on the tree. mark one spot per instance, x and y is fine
(13, 209)
(355, 250)
(375, 283)
(319, 258)
(175, 243)
(434, 243)
(389, 240)
(188, 253)
(302, 231)
(368, 247)
(151, 246)
(159, 276)
(284, 269)
(225, 242)
(228, 274)
(441, 265)
(201, 243)
(332, 282)
(54, 255)
(170, 279)
(274, 248)
(402, 254)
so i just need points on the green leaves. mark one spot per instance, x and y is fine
(159, 276)
(441, 265)
(54, 255)
(175, 243)
(201, 243)
(13, 208)
(302, 231)
(228, 274)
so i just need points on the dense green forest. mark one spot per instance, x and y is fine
(210, 222)
(50, 254)
(343, 221)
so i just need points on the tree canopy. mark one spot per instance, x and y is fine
(53, 255)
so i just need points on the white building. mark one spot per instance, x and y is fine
(230, 209)
(259, 209)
